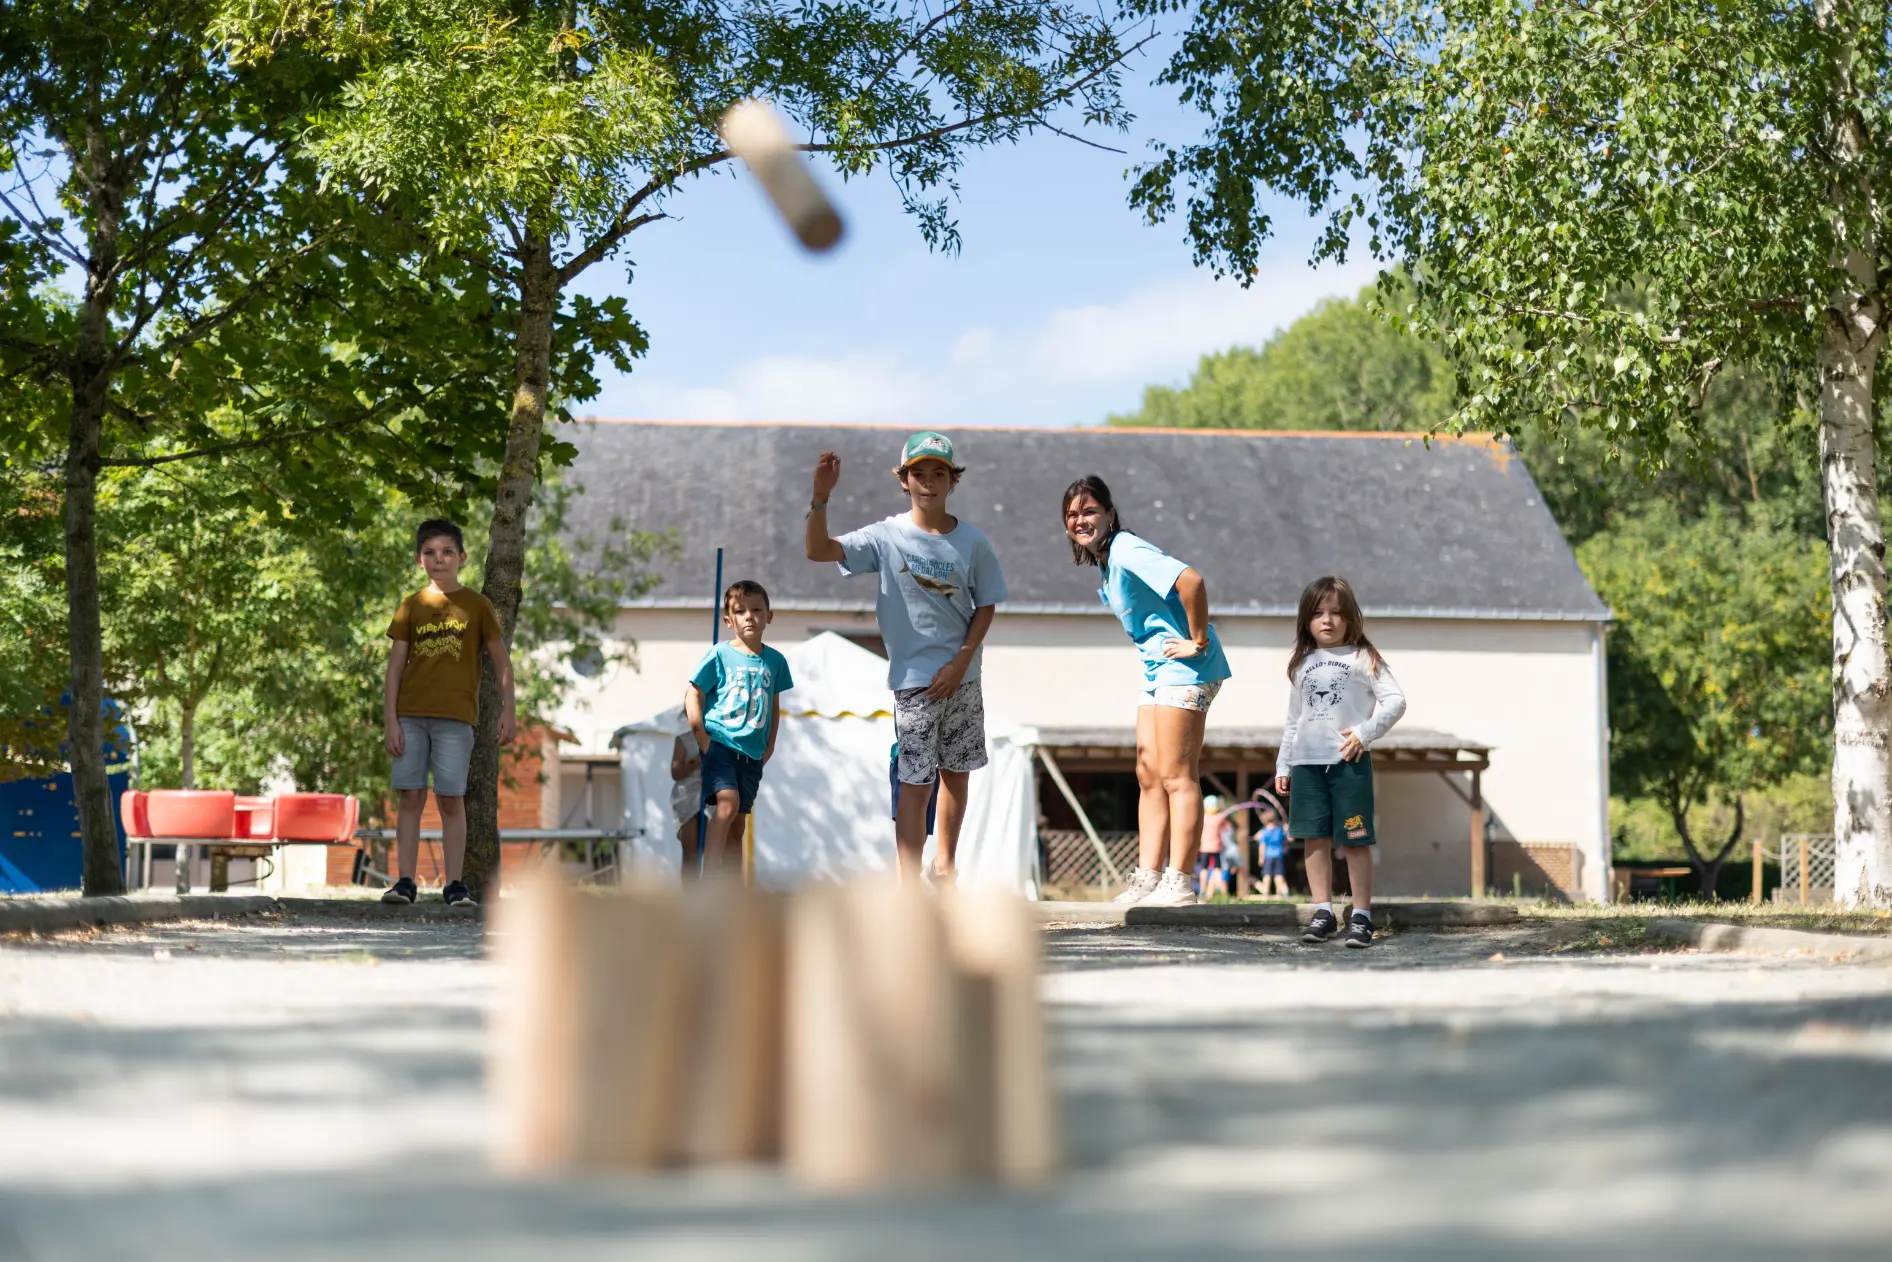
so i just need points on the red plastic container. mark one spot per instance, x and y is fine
(326, 817)
(255, 818)
(132, 813)
(191, 812)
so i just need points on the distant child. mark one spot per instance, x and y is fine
(431, 701)
(1343, 698)
(1274, 853)
(939, 583)
(686, 794)
(1212, 865)
(733, 704)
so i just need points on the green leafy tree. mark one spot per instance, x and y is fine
(181, 286)
(1342, 366)
(1713, 692)
(1601, 205)
(535, 139)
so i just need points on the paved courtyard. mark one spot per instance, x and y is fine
(310, 1088)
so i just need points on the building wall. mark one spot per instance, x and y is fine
(1531, 690)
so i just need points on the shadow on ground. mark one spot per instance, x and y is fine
(1226, 1095)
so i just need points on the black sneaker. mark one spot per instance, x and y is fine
(402, 891)
(1359, 930)
(458, 895)
(1320, 928)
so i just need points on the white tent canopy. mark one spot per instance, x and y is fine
(825, 808)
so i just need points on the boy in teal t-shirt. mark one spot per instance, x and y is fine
(733, 707)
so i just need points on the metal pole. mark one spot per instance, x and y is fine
(716, 628)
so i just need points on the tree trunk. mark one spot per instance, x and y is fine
(506, 547)
(89, 375)
(1849, 351)
(187, 746)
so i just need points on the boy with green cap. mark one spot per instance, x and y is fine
(939, 583)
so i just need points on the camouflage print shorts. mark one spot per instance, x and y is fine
(936, 734)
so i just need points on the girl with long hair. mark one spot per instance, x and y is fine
(1342, 699)
(1164, 606)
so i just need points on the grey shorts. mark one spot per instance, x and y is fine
(947, 734)
(445, 745)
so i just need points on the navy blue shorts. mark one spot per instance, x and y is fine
(726, 768)
(1274, 865)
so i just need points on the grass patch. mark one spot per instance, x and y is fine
(1767, 915)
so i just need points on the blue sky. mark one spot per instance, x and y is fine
(1060, 308)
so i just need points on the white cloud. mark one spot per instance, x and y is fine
(1069, 365)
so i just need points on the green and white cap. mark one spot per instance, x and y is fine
(928, 445)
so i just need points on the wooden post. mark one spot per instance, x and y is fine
(873, 1087)
(1756, 897)
(1803, 870)
(1478, 836)
(748, 848)
(731, 1078)
(219, 870)
(588, 1027)
(1010, 1110)
(1244, 828)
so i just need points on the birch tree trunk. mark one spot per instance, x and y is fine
(1849, 352)
(506, 547)
(89, 375)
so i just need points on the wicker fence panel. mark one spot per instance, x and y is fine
(1071, 859)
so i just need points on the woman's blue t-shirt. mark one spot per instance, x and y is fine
(1140, 588)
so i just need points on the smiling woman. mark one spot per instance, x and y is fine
(1164, 606)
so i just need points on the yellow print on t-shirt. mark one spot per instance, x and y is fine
(438, 639)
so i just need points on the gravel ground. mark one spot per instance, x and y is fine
(309, 1087)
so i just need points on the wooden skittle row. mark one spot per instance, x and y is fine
(862, 1035)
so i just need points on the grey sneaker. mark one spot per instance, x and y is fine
(1143, 883)
(1175, 890)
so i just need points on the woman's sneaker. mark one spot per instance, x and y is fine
(1359, 930)
(458, 895)
(402, 891)
(1320, 928)
(1143, 883)
(1176, 889)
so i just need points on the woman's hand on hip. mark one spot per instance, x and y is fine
(1174, 648)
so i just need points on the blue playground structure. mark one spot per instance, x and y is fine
(39, 821)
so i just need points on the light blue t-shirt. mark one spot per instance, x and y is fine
(930, 586)
(1140, 588)
(739, 691)
(1274, 842)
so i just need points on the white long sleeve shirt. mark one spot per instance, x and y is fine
(1334, 692)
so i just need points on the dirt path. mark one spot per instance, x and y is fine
(309, 1087)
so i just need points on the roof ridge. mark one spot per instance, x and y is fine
(1474, 436)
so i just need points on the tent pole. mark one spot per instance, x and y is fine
(1090, 830)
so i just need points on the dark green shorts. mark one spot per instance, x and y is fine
(1332, 800)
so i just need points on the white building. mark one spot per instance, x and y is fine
(1468, 587)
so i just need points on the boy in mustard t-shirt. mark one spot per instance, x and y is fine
(432, 700)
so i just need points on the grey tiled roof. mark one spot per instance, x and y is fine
(1456, 529)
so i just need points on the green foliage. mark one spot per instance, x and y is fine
(32, 630)
(299, 641)
(1602, 205)
(502, 118)
(1643, 831)
(1718, 678)
(1340, 367)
